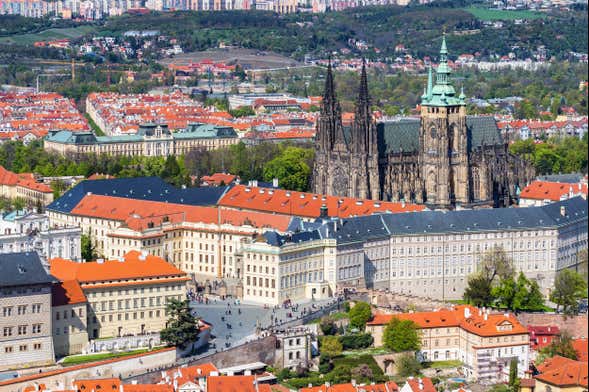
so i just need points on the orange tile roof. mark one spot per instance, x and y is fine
(542, 190)
(67, 292)
(426, 384)
(147, 388)
(102, 384)
(494, 325)
(331, 388)
(191, 373)
(306, 204)
(580, 346)
(219, 178)
(7, 177)
(563, 372)
(137, 214)
(231, 384)
(438, 319)
(131, 268)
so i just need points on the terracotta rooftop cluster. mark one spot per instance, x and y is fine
(35, 114)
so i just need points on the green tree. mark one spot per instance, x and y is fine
(518, 295)
(359, 315)
(401, 335)
(513, 380)
(562, 346)
(18, 203)
(88, 250)
(58, 187)
(569, 288)
(331, 346)
(328, 326)
(408, 366)
(292, 168)
(478, 291)
(182, 327)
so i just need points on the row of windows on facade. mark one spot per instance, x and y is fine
(21, 330)
(300, 278)
(270, 283)
(72, 313)
(469, 237)
(21, 290)
(22, 348)
(142, 290)
(126, 304)
(254, 268)
(8, 311)
(128, 316)
(261, 293)
(467, 248)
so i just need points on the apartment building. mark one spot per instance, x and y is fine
(539, 193)
(25, 312)
(484, 342)
(150, 140)
(24, 231)
(69, 313)
(125, 296)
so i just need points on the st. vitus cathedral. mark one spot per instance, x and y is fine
(443, 159)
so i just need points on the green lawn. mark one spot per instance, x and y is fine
(443, 364)
(49, 35)
(78, 359)
(367, 351)
(487, 14)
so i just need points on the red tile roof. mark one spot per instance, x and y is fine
(389, 386)
(580, 346)
(67, 292)
(554, 191)
(231, 384)
(191, 373)
(544, 330)
(493, 325)
(219, 178)
(422, 384)
(563, 372)
(132, 268)
(138, 214)
(306, 204)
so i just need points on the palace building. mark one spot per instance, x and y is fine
(444, 159)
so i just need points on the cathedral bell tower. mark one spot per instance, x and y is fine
(443, 154)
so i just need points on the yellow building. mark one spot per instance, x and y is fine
(125, 296)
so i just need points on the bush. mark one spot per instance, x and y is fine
(359, 315)
(325, 364)
(330, 346)
(408, 365)
(328, 326)
(356, 341)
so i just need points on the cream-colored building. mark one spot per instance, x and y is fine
(150, 140)
(126, 295)
(25, 312)
(205, 242)
(484, 342)
(69, 313)
(24, 186)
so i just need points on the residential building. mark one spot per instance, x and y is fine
(559, 374)
(23, 231)
(542, 336)
(484, 342)
(539, 193)
(24, 186)
(70, 322)
(25, 306)
(418, 384)
(150, 140)
(125, 296)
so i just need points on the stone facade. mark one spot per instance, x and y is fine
(445, 159)
(25, 312)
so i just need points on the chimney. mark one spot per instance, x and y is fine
(480, 312)
(323, 211)
(353, 382)
(563, 210)
(100, 261)
(420, 381)
(275, 183)
(143, 255)
(466, 312)
(247, 373)
(486, 316)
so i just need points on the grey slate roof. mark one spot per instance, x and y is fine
(404, 134)
(382, 226)
(24, 268)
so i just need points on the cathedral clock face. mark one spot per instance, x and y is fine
(433, 133)
(340, 181)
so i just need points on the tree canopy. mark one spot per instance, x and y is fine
(401, 335)
(331, 346)
(359, 315)
(182, 327)
(569, 288)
